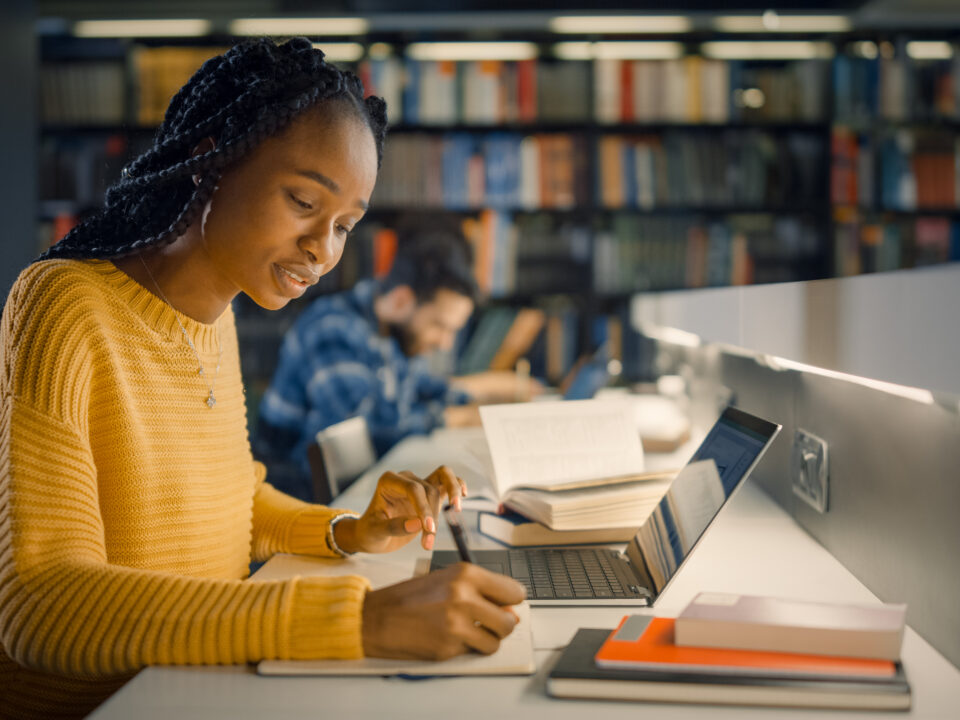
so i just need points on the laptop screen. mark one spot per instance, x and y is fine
(726, 457)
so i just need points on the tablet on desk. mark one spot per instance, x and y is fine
(589, 375)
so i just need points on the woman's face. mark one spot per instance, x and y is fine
(279, 217)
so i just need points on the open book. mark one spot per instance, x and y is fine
(573, 465)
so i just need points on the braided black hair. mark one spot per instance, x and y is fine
(240, 98)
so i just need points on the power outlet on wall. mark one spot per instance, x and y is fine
(809, 469)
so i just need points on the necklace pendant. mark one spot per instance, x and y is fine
(200, 371)
(211, 400)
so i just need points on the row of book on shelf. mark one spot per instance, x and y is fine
(638, 253)
(899, 170)
(465, 171)
(896, 88)
(734, 168)
(872, 243)
(630, 252)
(683, 90)
(529, 254)
(698, 90)
(689, 89)
(551, 170)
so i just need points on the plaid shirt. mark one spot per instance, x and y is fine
(333, 365)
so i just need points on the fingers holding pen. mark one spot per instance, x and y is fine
(445, 481)
(453, 486)
(405, 504)
(420, 506)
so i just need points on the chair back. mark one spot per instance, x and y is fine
(341, 453)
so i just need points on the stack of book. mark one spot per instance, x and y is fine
(744, 650)
(569, 473)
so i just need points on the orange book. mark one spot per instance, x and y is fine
(483, 251)
(626, 91)
(384, 251)
(520, 337)
(611, 171)
(527, 90)
(642, 642)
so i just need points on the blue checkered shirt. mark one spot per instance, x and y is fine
(333, 365)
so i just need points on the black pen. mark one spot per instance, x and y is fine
(459, 536)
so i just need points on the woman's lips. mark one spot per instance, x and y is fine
(292, 281)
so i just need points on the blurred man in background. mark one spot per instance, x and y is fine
(365, 352)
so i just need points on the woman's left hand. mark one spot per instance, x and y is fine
(402, 506)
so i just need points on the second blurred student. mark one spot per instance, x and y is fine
(365, 352)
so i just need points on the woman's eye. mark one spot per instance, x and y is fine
(302, 203)
(344, 231)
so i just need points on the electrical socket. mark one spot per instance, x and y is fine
(809, 470)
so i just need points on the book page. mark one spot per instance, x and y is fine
(515, 657)
(545, 444)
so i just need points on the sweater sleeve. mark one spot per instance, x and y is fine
(65, 608)
(285, 524)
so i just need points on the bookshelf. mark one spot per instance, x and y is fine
(581, 182)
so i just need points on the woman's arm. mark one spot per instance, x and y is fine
(67, 610)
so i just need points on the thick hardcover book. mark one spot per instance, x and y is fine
(576, 676)
(752, 622)
(515, 530)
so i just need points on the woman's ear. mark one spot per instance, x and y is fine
(399, 303)
(204, 146)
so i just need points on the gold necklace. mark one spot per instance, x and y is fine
(211, 398)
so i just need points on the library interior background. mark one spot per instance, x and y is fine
(590, 152)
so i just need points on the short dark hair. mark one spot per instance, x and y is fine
(432, 254)
(240, 98)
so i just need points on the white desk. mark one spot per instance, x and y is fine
(752, 547)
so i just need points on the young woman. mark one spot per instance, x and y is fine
(130, 505)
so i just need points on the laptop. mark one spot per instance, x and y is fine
(603, 576)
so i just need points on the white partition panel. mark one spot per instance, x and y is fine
(901, 327)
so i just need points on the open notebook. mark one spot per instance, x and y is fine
(515, 656)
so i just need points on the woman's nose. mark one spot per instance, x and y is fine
(320, 245)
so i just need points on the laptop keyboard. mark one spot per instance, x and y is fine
(567, 574)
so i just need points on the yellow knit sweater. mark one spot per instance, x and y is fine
(129, 510)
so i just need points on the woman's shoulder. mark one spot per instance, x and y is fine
(48, 329)
(53, 300)
(57, 282)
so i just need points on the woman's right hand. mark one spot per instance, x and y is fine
(448, 612)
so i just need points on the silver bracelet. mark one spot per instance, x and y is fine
(331, 541)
